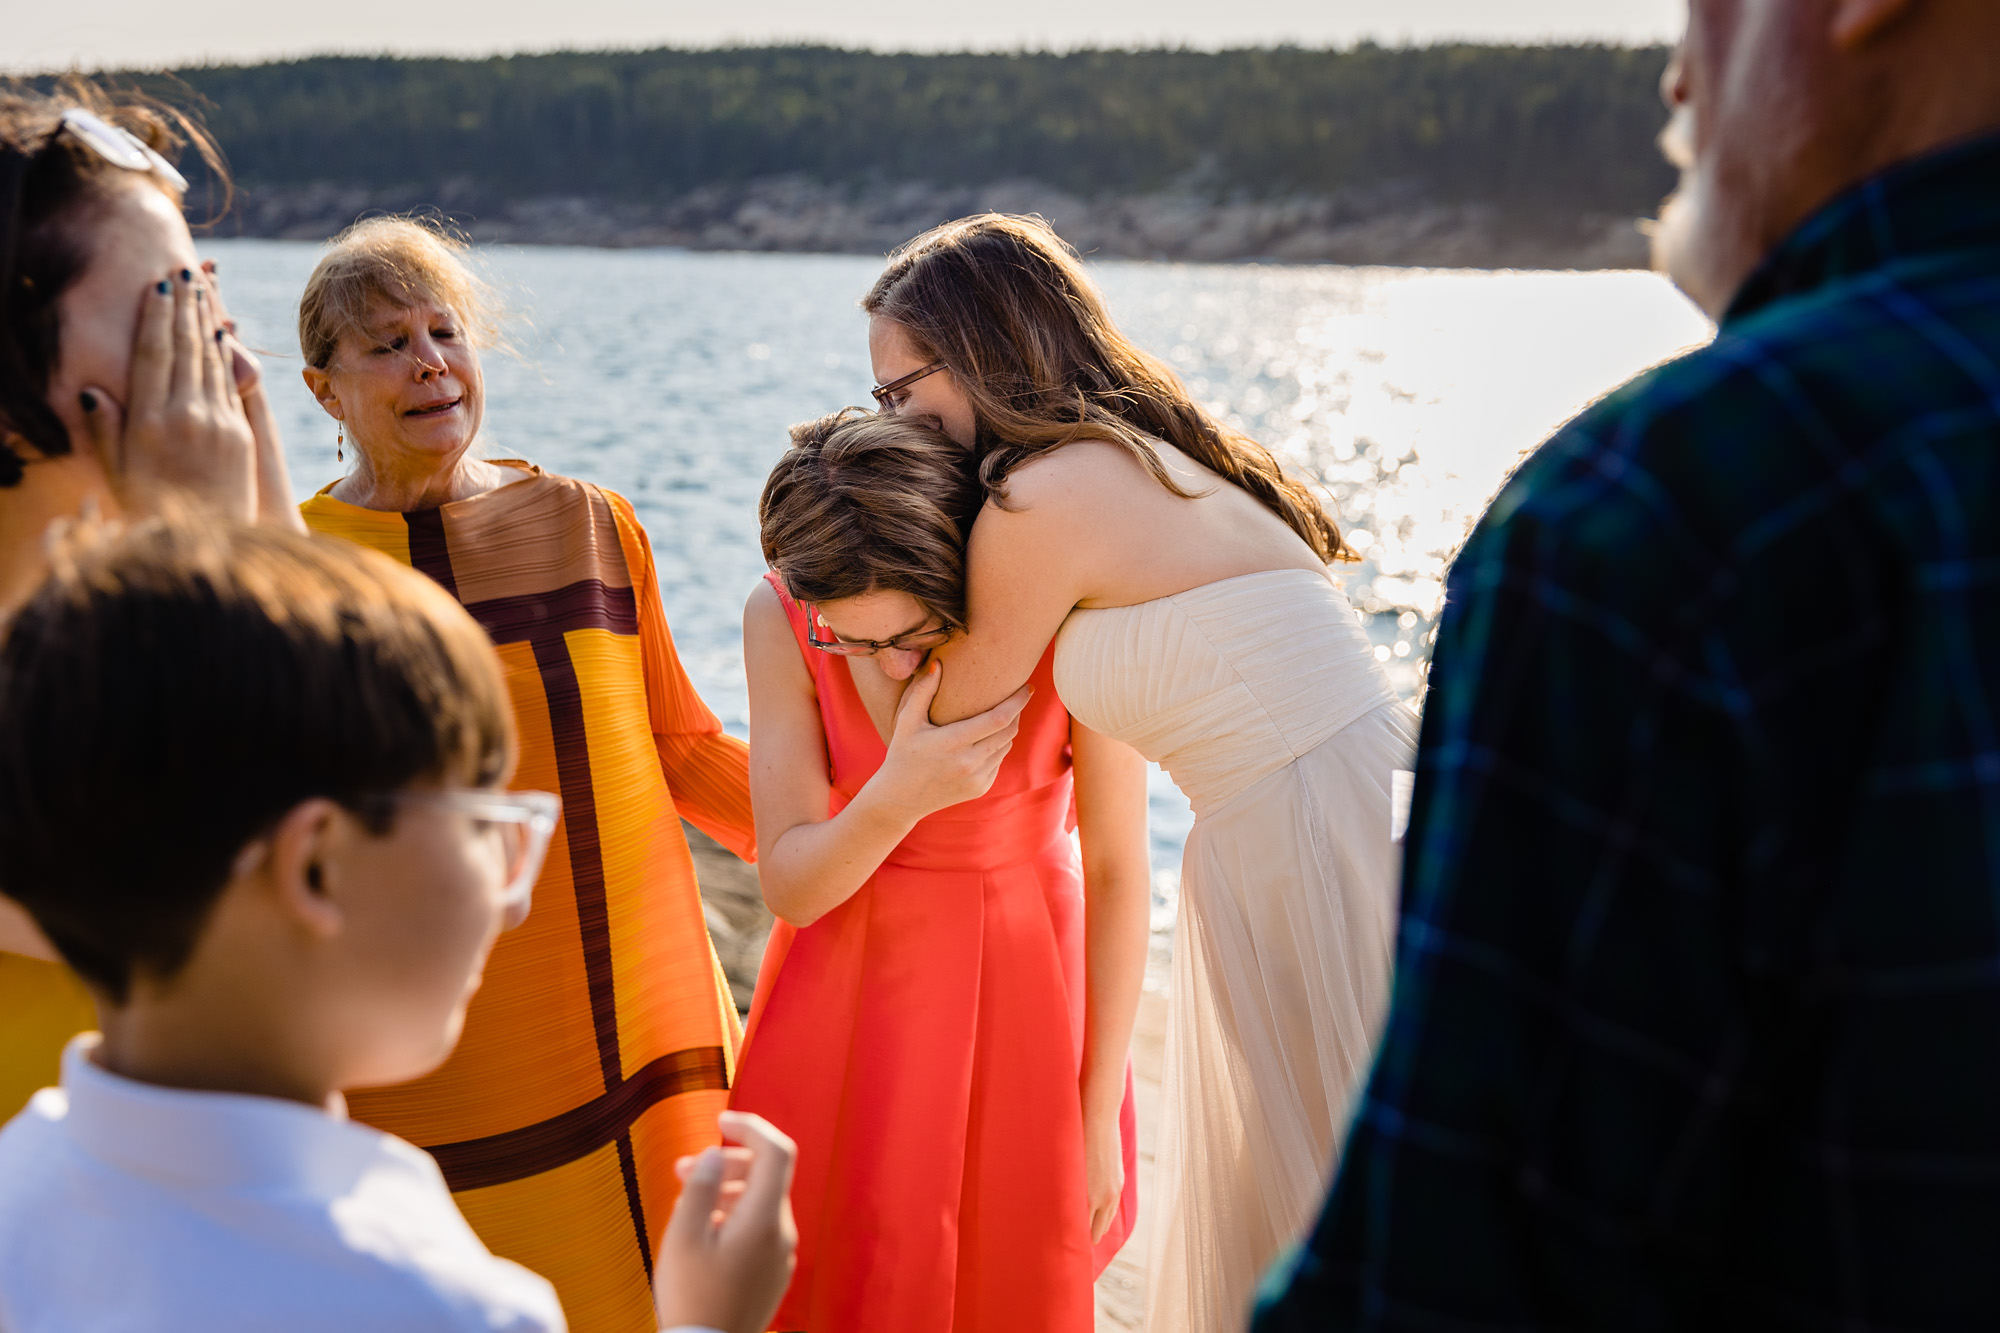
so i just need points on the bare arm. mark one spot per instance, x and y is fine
(809, 862)
(1117, 889)
(1027, 566)
(274, 504)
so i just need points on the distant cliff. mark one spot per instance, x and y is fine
(799, 214)
(1437, 155)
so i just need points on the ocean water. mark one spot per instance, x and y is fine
(671, 376)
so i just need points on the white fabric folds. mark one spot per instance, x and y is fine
(1261, 697)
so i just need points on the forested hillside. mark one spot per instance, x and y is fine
(1525, 133)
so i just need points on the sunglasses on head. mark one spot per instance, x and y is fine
(120, 147)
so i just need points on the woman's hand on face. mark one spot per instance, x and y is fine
(274, 479)
(930, 767)
(182, 428)
(1103, 1171)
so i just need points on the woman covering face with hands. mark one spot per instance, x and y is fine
(122, 388)
(945, 1006)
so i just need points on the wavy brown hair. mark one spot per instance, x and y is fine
(1005, 304)
(867, 503)
(58, 188)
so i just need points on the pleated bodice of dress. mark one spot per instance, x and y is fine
(1223, 684)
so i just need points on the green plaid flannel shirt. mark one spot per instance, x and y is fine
(1697, 1011)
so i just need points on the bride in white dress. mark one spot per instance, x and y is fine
(1185, 582)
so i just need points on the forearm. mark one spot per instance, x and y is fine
(275, 505)
(812, 868)
(709, 776)
(1117, 910)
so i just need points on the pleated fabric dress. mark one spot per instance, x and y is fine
(922, 1043)
(602, 1043)
(42, 1005)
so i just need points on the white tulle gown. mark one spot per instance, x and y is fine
(1262, 698)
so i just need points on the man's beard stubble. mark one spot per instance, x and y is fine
(1682, 236)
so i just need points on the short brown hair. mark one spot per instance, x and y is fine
(61, 186)
(867, 503)
(1005, 304)
(397, 260)
(173, 689)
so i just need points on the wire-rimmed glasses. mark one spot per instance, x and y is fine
(882, 393)
(916, 641)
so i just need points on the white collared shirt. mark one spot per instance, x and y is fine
(133, 1207)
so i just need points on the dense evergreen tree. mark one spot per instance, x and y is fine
(1565, 128)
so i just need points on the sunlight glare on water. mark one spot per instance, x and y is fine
(671, 377)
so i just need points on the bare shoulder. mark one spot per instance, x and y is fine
(762, 606)
(1081, 472)
(765, 623)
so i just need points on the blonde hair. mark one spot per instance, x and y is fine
(397, 260)
(1005, 304)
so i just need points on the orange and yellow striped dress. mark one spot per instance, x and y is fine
(603, 1041)
(42, 1005)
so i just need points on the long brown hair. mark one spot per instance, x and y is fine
(1005, 304)
(864, 503)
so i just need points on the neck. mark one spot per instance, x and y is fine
(51, 489)
(405, 486)
(203, 1039)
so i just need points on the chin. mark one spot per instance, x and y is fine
(417, 1058)
(1691, 248)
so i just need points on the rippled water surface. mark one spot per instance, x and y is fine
(671, 377)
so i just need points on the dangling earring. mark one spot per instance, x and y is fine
(340, 443)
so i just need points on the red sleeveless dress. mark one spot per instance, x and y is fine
(922, 1043)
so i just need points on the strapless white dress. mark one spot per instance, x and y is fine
(1262, 698)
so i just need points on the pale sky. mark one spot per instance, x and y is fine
(99, 34)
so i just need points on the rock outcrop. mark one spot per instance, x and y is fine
(1391, 223)
(738, 921)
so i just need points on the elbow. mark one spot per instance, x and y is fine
(790, 907)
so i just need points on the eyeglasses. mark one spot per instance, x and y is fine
(882, 392)
(524, 821)
(915, 641)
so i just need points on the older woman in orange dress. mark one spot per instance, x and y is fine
(603, 1042)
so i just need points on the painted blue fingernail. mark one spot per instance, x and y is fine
(88, 399)
(161, 287)
(219, 333)
(187, 275)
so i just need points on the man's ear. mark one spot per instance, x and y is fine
(1859, 22)
(300, 863)
(321, 384)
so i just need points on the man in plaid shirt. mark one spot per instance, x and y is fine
(1697, 1017)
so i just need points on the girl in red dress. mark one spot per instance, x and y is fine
(944, 1011)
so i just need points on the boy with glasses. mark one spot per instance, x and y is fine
(252, 792)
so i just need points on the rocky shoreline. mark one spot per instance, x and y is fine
(1392, 223)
